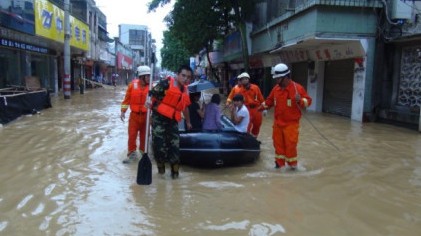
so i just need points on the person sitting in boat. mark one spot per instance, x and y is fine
(196, 112)
(240, 115)
(212, 119)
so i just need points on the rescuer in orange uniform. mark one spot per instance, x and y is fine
(252, 99)
(288, 98)
(135, 98)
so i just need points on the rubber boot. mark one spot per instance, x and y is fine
(161, 167)
(279, 163)
(131, 157)
(293, 165)
(174, 171)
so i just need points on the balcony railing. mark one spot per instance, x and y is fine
(296, 6)
(304, 4)
(59, 3)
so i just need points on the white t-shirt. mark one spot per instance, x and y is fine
(242, 126)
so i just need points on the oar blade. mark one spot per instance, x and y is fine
(144, 171)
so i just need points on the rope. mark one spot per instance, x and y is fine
(311, 123)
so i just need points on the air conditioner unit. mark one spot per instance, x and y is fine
(401, 9)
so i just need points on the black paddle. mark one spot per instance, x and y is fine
(144, 168)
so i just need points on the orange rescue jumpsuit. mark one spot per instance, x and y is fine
(135, 98)
(252, 99)
(287, 120)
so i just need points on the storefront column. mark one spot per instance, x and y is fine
(315, 85)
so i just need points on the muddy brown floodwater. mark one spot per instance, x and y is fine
(61, 174)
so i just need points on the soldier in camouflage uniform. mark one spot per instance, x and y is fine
(169, 98)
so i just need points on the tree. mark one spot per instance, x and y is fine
(173, 53)
(198, 23)
(194, 25)
(237, 13)
(154, 4)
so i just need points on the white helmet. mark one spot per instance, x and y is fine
(243, 75)
(280, 70)
(143, 70)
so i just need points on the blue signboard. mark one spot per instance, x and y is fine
(23, 46)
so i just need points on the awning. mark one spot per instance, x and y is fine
(102, 28)
(322, 49)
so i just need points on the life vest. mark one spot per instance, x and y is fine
(252, 96)
(138, 97)
(287, 110)
(174, 101)
(237, 89)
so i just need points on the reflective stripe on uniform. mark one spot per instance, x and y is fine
(279, 156)
(291, 159)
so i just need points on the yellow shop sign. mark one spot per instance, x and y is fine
(49, 23)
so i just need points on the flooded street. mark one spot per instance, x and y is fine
(61, 174)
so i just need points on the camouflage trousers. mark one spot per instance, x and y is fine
(165, 139)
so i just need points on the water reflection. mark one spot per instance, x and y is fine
(61, 174)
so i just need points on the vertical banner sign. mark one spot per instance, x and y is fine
(192, 63)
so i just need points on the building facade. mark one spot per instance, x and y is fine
(32, 42)
(398, 84)
(357, 58)
(139, 39)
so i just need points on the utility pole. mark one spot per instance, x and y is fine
(66, 80)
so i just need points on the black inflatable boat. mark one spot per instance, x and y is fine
(225, 147)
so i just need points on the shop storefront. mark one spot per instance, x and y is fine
(21, 58)
(334, 72)
(338, 87)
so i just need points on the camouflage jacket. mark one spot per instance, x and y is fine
(158, 92)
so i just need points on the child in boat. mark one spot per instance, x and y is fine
(240, 115)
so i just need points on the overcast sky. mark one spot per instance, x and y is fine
(135, 12)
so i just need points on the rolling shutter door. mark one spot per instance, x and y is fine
(338, 86)
(300, 74)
